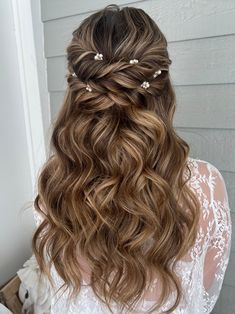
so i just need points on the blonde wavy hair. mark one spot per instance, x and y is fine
(117, 173)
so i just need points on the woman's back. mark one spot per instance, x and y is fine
(201, 271)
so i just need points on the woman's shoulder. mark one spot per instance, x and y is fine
(206, 172)
(209, 179)
(203, 166)
(209, 184)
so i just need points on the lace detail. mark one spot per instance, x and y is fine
(201, 273)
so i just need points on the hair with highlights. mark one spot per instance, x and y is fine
(117, 171)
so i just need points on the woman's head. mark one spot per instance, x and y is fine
(119, 35)
(116, 176)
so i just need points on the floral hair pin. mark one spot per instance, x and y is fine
(145, 85)
(98, 56)
(157, 73)
(133, 61)
(88, 88)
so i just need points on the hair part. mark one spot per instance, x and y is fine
(118, 171)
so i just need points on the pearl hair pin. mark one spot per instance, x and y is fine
(157, 73)
(134, 61)
(98, 56)
(145, 85)
(88, 88)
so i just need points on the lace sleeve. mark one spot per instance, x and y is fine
(219, 245)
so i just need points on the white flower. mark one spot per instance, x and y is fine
(88, 88)
(145, 85)
(134, 61)
(98, 56)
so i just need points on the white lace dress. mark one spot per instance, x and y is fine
(202, 272)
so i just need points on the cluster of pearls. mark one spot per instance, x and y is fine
(157, 73)
(88, 88)
(144, 85)
(98, 56)
(134, 61)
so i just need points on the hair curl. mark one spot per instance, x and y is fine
(116, 175)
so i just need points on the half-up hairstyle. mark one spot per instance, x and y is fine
(117, 173)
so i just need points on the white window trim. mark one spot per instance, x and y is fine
(27, 61)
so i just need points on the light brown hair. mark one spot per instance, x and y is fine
(117, 172)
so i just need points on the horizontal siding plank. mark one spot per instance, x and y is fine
(203, 61)
(55, 9)
(196, 62)
(61, 32)
(196, 105)
(56, 100)
(211, 145)
(229, 178)
(191, 19)
(189, 22)
(225, 303)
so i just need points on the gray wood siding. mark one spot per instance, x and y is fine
(201, 37)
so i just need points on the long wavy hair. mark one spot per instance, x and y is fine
(117, 172)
